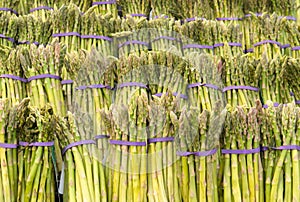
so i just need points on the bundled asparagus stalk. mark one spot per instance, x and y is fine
(8, 29)
(227, 9)
(35, 168)
(105, 7)
(135, 8)
(280, 132)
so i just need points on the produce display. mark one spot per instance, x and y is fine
(149, 100)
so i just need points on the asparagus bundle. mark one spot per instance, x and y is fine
(105, 7)
(228, 9)
(280, 133)
(135, 8)
(241, 167)
(35, 167)
(8, 29)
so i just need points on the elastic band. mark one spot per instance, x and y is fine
(250, 50)
(63, 82)
(130, 84)
(284, 147)
(8, 146)
(93, 86)
(9, 76)
(285, 46)
(194, 19)
(127, 143)
(296, 48)
(175, 94)
(133, 42)
(75, 144)
(8, 38)
(138, 15)
(288, 18)
(36, 144)
(43, 76)
(240, 88)
(97, 137)
(66, 34)
(197, 46)
(249, 15)
(292, 94)
(200, 153)
(103, 3)
(229, 43)
(297, 102)
(40, 8)
(161, 139)
(165, 37)
(241, 151)
(275, 104)
(225, 19)
(266, 42)
(9, 9)
(203, 84)
(96, 37)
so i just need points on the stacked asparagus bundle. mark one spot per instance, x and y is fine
(105, 7)
(8, 29)
(135, 8)
(228, 9)
(241, 167)
(34, 130)
(280, 133)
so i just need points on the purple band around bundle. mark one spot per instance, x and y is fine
(13, 77)
(97, 137)
(229, 43)
(166, 37)
(287, 147)
(127, 143)
(285, 46)
(197, 46)
(175, 94)
(290, 18)
(103, 2)
(93, 86)
(296, 48)
(63, 82)
(266, 42)
(138, 15)
(225, 19)
(292, 94)
(66, 34)
(9, 9)
(240, 88)
(40, 8)
(36, 144)
(75, 144)
(161, 139)
(241, 151)
(250, 50)
(203, 84)
(200, 153)
(8, 38)
(43, 76)
(257, 14)
(133, 42)
(130, 84)
(96, 37)
(275, 104)
(297, 102)
(8, 146)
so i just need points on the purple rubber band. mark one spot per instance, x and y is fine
(13, 77)
(257, 14)
(133, 42)
(130, 84)
(66, 34)
(175, 94)
(287, 147)
(218, 45)
(297, 102)
(96, 37)
(127, 143)
(8, 146)
(166, 37)
(43, 76)
(138, 15)
(229, 43)
(203, 84)
(285, 46)
(266, 42)
(63, 82)
(225, 19)
(75, 144)
(97, 137)
(291, 18)
(200, 153)
(40, 8)
(197, 46)
(161, 16)
(99, 86)
(103, 2)
(241, 151)
(161, 139)
(23, 42)
(292, 94)
(263, 148)
(250, 50)
(8, 38)
(296, 48)
(9, 9)
(36, 144)
(241, 88)
(275, 104)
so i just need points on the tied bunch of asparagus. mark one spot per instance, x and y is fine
(292, 37)
(11, 88)
(135, 8)
(8, 29)
(105, 7)
(36, 172)
(228, 8)
(241, 171)
(280, 128)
